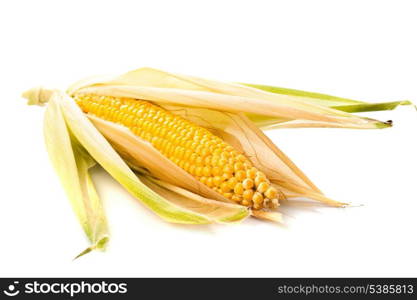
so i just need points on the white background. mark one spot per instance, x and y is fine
(360, 49)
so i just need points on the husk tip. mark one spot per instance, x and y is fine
(99, 245)
(386, 124)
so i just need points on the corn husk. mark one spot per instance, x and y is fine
(234, 112)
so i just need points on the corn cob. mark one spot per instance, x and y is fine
(194, 149)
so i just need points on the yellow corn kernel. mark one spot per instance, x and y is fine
(209, 182)
(271, 193)
(240, 175)
(217, 180)
(199, 171)
(236, 198)
(225, 187)
(238, 166)
(206, 171)
(227, 176)
(241, 158)
(215, 160)
(203, 180)
(251, 173)
(232, 182)
(247, 202)
(262, 187)
(257, 198)
(216, 171)
(248, 194)
(257, 205)
(228, 169)
(228, 195)
(259, 180)
(247, 183)
(238, 189)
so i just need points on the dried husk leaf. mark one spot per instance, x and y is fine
(268, 123)
(72, 164)
(162, 87)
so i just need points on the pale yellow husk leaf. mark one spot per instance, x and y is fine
(167, 88)
(72, 164)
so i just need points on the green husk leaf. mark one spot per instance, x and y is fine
(166, 88)
(339, 103)
(72, 164)
(365, 107)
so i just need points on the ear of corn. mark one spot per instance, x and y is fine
(166, 88)
(195, 144)
(194, 149)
